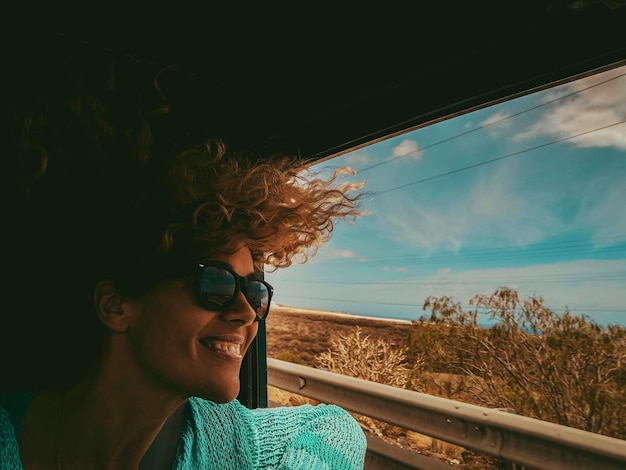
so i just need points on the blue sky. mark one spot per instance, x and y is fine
(529, 194)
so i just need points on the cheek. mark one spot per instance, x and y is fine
(170, 319)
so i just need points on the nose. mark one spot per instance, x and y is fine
(240, 312)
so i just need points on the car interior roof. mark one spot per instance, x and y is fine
(322, 82)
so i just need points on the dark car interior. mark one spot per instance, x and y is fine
(321, 81)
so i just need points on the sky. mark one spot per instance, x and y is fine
(528, 194)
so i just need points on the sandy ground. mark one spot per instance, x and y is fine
(307, 332)
(299, 334)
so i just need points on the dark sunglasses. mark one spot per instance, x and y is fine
(219, 286)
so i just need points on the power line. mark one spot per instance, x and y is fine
(565, 247)
(485, 162)
(435, 260)
(498, 121)
(565, 279)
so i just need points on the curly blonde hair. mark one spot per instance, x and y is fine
(109, 150)
(277, 209)
(104, 179)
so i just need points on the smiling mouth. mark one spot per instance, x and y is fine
(224, 348)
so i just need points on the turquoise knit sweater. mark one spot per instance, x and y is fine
(233, 437)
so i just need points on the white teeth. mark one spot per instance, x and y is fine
(232, 348)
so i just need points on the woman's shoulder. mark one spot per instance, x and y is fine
(280, 422)
(323, 436)
(304, 413)
(226, 418)
(304, 436)
(286, 414)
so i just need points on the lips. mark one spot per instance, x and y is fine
(226, 346)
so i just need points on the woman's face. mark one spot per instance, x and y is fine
(181, 346)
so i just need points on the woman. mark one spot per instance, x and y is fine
(137, 256)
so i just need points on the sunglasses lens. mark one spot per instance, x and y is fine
(258, 297)
(217, 287)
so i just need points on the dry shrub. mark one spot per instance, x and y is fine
(434, 446)
(359, 356)
(563, 369)
(302, 358)
(450, 386)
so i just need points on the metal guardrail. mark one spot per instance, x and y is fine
(524, 441)
(381, 455)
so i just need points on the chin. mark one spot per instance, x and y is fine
(219, 396)
(221, 399)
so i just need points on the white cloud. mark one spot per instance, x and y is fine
(328, 253)
(586, 110)
(602, 208)
(526, 200)
(497, 123)
(339, 254)
(401, 269)
(408, 148)
(603, 89)
(491, 211)
(358, 158)
(428, 228)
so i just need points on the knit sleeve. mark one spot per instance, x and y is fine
(9, 451)
(322, 437)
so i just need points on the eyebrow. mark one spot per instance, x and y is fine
(253, 275)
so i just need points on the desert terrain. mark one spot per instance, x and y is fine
(299, 334)
(308, 332)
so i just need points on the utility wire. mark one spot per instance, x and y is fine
(565, 247)
(475, 165)
(475, 258)
(565, 279)
(605, 277)
(556, 256)
(447, 139)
